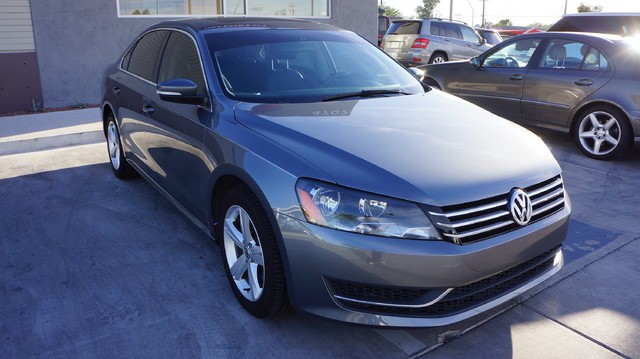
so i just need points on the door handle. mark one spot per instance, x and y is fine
(116, 91)
(583, 82)
(148, 111)
(516, 77)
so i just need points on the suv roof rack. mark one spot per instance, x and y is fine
(441, 19)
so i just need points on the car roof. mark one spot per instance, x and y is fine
(575, 35)
(431, 19)
(201, 24)
(590, 14)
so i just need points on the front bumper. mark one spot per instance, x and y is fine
(385, 281)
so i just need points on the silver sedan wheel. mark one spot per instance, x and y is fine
(113, 142)
(439, 60)
(243, 253)
(599, 133)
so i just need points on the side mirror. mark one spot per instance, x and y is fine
(417, 73)
(180, 91)
(475, 61)
(483, 41)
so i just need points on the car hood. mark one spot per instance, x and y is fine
(431, 148)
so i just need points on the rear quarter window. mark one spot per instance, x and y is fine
(405, 28)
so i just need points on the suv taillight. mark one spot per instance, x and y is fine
(420, 43)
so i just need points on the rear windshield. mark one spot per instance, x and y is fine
(405, 28)
(619, 25)
(493, 38)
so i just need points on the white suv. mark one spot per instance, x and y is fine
(417, 42)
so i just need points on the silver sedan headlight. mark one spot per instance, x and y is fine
(349, 210)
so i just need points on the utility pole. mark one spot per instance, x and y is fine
(483, 1)
(565, 6)
(451, 11)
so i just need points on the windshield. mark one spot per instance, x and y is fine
(281, 65)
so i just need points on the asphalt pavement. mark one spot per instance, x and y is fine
(95, 267)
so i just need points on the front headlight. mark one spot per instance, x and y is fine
(345, 209)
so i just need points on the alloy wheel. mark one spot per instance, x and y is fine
(599, 133)
(113, 142)
(243, 253)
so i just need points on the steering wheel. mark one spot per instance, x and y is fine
(511, 62)
(338, 76)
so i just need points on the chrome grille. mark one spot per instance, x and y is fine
(474, 221)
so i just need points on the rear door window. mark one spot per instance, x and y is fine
(437, 29)
(452, 30)
(569, 54)
(145, 55)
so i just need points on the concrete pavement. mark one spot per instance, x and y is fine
(91, 266)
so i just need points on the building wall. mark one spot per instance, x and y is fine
(77, 40)
(19, 81)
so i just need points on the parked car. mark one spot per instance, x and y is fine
(383, 24)
(491, 36)
(416, 42)
(583, 84)
(624, 24)
(330, 177)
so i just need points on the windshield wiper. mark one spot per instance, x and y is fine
(366, 93)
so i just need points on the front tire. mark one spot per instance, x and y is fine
(603, 132)
(121, 168)
(250, 254)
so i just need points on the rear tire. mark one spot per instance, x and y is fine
(603, 132)
(438, 58)
(250, 254)
(121, 168)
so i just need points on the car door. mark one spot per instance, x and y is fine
(134, 82)
(568, 71)
(497, 83)
(457, 48)
(174, 141)
(473, 42)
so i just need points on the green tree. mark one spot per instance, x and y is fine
(504, 22)
(146, 12)
(589, 8)
(136, 12)
(427, 8)
(539, 25)
(391, 11)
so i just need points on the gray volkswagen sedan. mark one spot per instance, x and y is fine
(333, 181)
(579, 83)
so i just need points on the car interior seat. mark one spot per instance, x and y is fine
(558, 54)
(282, 76)
(590, 58)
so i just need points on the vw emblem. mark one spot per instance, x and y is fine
(520, 207)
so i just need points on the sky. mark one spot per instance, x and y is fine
(520, 12)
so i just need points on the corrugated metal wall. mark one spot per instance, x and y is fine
(16, 30)
(20, 87)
